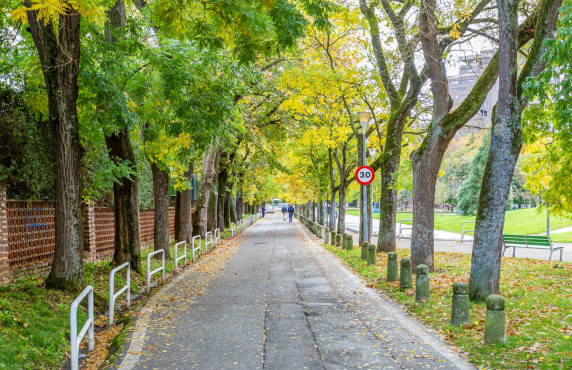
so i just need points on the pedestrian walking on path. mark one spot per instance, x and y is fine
(276, 300)
(263, 210)
(290, 213)
(284, 211)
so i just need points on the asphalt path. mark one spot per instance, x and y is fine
(275, 299)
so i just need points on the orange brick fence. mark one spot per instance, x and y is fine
(27, 234)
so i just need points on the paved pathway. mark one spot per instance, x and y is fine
(277, 300)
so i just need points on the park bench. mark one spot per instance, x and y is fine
(529, 241)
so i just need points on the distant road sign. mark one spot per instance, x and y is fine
(365, 175)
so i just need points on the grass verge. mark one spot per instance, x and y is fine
(538, 298)
(520, 221)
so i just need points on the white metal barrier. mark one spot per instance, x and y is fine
(217, 237)
(126, 287)
(184, 256)
(463, 232)
(75, 337)
(193, 245)
(402, 227)
(149, 272)
(232, 228)
(208, 241)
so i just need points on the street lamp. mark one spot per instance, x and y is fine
(372, 152)
(364, 118)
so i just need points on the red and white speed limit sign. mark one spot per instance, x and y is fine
(365, 175)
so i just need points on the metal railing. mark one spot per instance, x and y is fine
(184, 256)
(126, 287)
(193, 245)
(463, 231)
(402, 227)
(149, 272)
(217, 237)
(232, 228)
(75, 337)
(208, 241)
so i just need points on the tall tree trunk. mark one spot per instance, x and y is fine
(127, 242)
(59, 57)
(506, 142)
(332, 221)
(161, 204)
(213, 207)
(209, 172)
(183, 226)
(389, 164)
(425, 172)
(125, 204)
(233, 217)
(227, 211)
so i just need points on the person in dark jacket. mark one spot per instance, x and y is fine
(263, 210)
(290, 212)
(284, 211)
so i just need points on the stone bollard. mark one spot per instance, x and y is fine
(371, 255)
(344, 240)
(405, 278)
(338, 240)
(460, 312)
(364, 251)
(349, 242)
(422, 286)
(333, 238)
(495, 329)
(327, 235)
(392, 269)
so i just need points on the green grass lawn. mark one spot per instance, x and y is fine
(561, 237)
(538, 310)
(521, 221)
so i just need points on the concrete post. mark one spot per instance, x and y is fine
(364, 246)
(392, 268)
(405, 274)
(333, 237)
(422, 286)
(339, 240)
(371, 255)
(327, 238)
(460, 312)
(5, 275)
(349, 242)
(495, 329)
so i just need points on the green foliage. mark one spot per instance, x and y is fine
(470, 190)
(26, 164)
(547, 126)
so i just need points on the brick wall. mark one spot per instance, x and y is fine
(5, 274)
(27, 235)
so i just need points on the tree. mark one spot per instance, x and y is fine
(56, 35)
(506, 142)
(445, 121)
(546, 125)
(470, 189)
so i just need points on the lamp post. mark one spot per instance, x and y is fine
(372, 152)
(364, 118)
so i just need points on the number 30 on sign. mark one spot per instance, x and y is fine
(365, 175)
